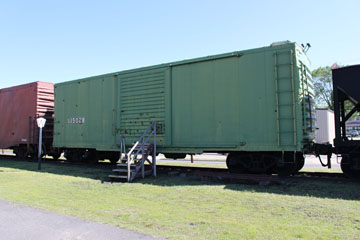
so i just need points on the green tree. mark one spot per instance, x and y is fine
(322, 79)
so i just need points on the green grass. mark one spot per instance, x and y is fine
(187, 208)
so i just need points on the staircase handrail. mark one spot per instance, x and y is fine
(141, 139)
(122, 146)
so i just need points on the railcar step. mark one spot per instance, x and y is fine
(118, 176)
(125, 165)
(145, 146)
(122, 170)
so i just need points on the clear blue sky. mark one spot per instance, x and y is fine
(58, 41)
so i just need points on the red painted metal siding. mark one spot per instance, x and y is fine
(19, 107)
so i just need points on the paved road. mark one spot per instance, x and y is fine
(19, 222)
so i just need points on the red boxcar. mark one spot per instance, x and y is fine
(20, 106)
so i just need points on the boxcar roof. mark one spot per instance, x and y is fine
(187, 61)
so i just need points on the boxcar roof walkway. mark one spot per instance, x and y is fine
(22, 222)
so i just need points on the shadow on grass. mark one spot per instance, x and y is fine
(96, 172)
(308, 188)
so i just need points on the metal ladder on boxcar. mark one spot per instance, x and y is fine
(285, 98)
(132, 165)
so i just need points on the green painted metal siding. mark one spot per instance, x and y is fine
(86, 113)
(236, 102)
(249, 100)
(217, 106)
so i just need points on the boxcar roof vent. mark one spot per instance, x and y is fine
(279, 43)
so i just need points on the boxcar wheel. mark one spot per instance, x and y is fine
(69, 156)
(20, 153)
(258, 162)
(73, 156)
(300, 162)
(347, 166)
(233, 163)
(286, 170)
(55, 156)
(114, 158)
(91, 156)
(289, 166)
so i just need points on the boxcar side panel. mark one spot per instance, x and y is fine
(86, 113)
(19, 106)
(223, 103)
(247, 100)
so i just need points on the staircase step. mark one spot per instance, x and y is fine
(125, 165)
(146, 146)
(122, 170)
(146, 151)
(118, 176)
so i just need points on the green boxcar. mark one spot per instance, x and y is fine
(251, 101)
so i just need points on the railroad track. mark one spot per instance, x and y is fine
(57, 162)
(224, 174)
(207, 173)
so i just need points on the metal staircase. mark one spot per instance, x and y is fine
(132, 165)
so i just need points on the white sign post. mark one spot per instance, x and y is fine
(41, 123)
